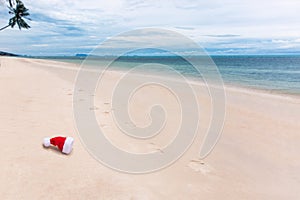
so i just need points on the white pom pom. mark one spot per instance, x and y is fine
(47, 142)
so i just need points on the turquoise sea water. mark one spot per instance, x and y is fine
(278, 74)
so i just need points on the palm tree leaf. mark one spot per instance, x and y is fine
(10, 3)
(12, 22)
(24, 14)
(19, 12)
(23, 24)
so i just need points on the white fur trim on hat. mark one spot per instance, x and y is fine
(68, 145)
(47, 142)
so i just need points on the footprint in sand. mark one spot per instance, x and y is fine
(94, 108)
(103, 125)
(155, 147)
(199, 166)
(130, 124)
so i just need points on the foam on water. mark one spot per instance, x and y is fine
(275, 74)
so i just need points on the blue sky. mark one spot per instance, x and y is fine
(219, 26)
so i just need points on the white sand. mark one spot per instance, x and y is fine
(257, 156)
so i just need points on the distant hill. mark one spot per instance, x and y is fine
(7, 54)
(81, 55)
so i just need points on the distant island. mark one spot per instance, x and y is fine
(81, 55)
(2, 53)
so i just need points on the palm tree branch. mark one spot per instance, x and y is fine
(19, 12)
(4, 27)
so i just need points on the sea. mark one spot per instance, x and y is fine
(272, 73)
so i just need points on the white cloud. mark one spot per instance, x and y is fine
(40, 45)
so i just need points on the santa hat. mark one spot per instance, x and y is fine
(64, 144)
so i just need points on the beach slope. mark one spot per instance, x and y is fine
(257, 156)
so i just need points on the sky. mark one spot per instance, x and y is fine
(221, 27)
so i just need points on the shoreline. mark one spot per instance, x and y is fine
(233, 87)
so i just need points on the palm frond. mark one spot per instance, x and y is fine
(10, 3)
(19, 12)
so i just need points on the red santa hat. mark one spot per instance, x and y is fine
(64, 144)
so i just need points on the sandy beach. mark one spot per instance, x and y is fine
(257, 156)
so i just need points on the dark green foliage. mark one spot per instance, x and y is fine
(19, 11)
